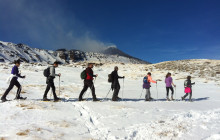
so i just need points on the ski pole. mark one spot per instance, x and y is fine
(141, 93)
(157, 91)
(59, 86)
(123, 89)
(175, 92)
(107, 94)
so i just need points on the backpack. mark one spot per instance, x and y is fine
(146, 80)
(47, 72)
(185, 83)
(110, 79)
(83, 75)
(146, 83)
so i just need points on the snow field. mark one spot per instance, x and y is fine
(132, 118)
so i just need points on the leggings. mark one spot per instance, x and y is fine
(169, 88)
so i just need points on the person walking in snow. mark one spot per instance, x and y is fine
(188, 88)
(50, 82)
(13, 79)
(88, 83)
(115, 84)
(169, 83)
(147, 84)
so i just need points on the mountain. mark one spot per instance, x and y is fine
(10, 52)
(116, 51)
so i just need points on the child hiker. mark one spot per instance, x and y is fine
(188, 88)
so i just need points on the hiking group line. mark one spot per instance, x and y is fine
(89, 81)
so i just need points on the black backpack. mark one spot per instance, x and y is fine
(47, 72)
(110, 78)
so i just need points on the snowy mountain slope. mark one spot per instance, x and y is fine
(198, 68)
(131, 119)
(10, 52)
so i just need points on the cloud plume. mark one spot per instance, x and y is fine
(44, 22)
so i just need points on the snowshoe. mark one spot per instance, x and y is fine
(96, 100)
(57, 99)
(46, 100)
(82, 100)
(4, 100)
(182, 98)
(20, 98)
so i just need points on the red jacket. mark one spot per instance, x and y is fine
(89, 73)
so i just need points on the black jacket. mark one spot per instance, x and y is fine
(115, 82)
(188, 83)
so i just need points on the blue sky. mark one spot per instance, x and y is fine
(153, 30)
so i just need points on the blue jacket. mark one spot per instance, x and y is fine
(15, 71)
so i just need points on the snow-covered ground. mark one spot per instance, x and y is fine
(132, 118)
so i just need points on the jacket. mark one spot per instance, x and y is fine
(146, 82)
(115, 82)
(188, 83)
(89, 74)
(15, 72)
(53, 72)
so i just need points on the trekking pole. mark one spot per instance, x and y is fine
(175, 92)
(108, 94)
(123, 89)
(59, 86)
(141, 93)
(157, 91)
(91, 88)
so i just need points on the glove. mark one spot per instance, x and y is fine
(23, 76)
(123, 77)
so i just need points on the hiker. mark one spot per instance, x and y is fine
(146, 85)
(115, 84)
(188, 88)
(88, 82)
(50, 82)
(169, 83)
(13, 80)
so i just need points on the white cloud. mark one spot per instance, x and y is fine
(45, 23)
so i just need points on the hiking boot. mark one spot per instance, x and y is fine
(172, 98)
(95, 100)
(56, 99)
(115, 100)
(182, 98)
(168, 99)
(20, 98)
(4, 100)
(82, 99)
(151, 98)
(118, 98)
(147, 100)
(45, 99)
